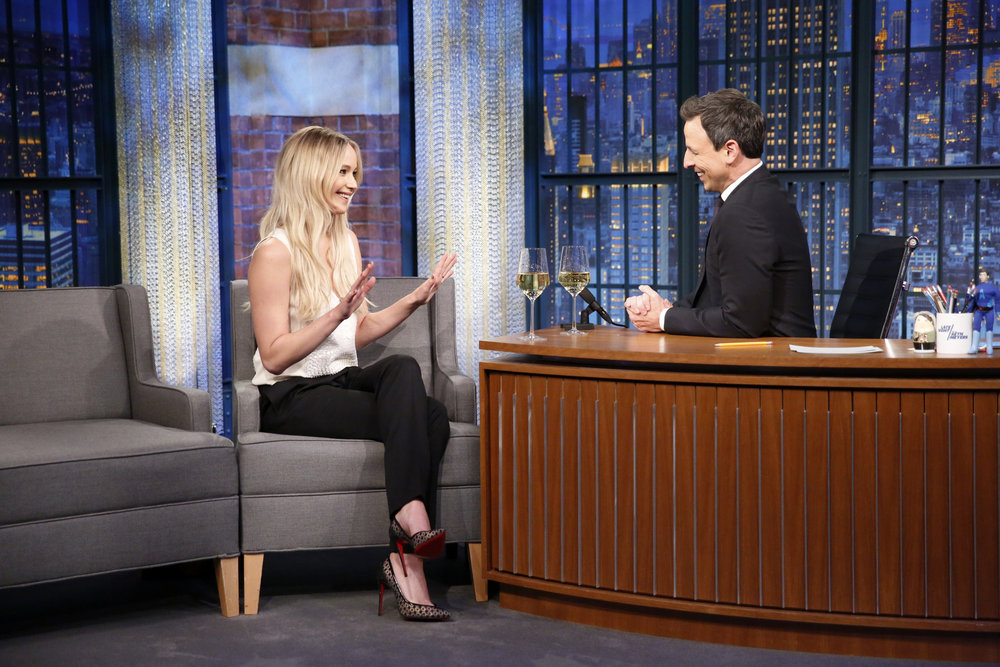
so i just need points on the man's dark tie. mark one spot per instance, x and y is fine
(718, 205)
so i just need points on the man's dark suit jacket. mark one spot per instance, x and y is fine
(758, 279)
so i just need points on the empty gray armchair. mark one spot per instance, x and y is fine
(103, 467)
(301, 492)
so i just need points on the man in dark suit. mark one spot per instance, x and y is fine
(757, 280)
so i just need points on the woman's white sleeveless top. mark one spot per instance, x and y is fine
(337, 352)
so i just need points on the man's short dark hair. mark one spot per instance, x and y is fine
(726, 115)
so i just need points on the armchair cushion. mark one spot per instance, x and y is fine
(288, 464)
(80, 467)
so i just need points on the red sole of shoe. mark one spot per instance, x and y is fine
(432, 548)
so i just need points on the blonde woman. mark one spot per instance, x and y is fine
(310, 316)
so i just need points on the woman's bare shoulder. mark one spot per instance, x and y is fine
(271, 249)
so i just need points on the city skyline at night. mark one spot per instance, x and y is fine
(49, 236)
(610, 94)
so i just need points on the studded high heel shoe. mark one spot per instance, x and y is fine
(410, 611)
(424, 543)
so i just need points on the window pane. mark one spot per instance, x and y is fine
(667, 119)
(922, 206)
(9, 267)
(581, 46)
(743, 76)
(53, 42)
(742, 29)
(613, 300)
(33, 263)
(84, 137)
(78, 20)
(611, 251)
(56, 123)
(991, 21)
(611, 44)
(28, 123)
(838, 116)
(990, 105)
(887, 208)
(641, 236)
(556, 153)
(839, 25)
(809, 125)
(712, 30)
(553, 229)
(640, 32)
(554, 35)
(924, 131)
(989, 234)
(777, 30)
(666, 32)
(706, 209)
(8, 164)
(88, 250)
(24, 31)
(960, 108)
(887, 116)
(925, 22)
(640, 125)
(958, 212)
(890, 22)
(775, 104)
(666, 229)
(60, 238)
(711, 77)
(611, 148)
(962, 21)
(581, 124)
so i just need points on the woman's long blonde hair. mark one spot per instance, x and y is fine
(303, 183)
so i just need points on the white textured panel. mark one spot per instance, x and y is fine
(165, 105)
(468, 87)
(270, 80)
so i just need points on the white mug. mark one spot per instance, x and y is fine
(954, 333)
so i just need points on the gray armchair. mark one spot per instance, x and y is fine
(103, 467)
(299, 492)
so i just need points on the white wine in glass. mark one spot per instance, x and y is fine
(574, 274)
(532, 279)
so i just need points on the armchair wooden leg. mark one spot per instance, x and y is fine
(478, 576)
(253, 565)
(227, 578)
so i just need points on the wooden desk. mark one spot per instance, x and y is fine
(757, 496)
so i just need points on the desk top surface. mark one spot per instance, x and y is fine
(605, 343)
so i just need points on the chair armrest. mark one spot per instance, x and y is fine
(457, 392)
(153, 400)
(453, 388)
(246, 407)
(167, 405)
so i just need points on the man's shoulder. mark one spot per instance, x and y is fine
(760, 189)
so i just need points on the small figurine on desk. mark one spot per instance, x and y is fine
(982, 299)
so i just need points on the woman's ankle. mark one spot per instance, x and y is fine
(412, 517)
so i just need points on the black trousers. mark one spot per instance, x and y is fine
(385, 401)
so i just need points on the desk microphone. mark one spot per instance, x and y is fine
(588, 298)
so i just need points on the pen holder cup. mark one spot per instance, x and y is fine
(954, 332)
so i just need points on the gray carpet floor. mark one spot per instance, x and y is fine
(320, 609)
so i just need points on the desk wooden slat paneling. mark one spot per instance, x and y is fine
(748, 486)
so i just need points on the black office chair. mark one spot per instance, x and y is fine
(871, 290)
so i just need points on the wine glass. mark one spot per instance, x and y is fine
(532, 279)
(574, 274)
